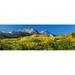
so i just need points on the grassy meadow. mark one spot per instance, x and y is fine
(39, 42)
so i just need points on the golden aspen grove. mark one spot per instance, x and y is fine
(39, 42)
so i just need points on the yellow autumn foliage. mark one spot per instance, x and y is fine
(39, 42)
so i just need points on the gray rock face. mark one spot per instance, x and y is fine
(44, 32)
(24, 32)
(30, 31)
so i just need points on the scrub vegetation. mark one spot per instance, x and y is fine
(39, 42)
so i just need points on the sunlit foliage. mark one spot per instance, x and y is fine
(39, 42)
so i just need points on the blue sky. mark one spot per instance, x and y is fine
(55, 29)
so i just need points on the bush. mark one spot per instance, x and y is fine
(6, 47)
(20, 47)
(62, 45)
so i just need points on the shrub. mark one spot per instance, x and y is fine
(20, 46)
(6, 47)
(62, 45)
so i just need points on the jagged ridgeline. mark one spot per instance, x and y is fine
(21, 33)
(31, 39)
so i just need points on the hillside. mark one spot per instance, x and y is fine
(39, 42)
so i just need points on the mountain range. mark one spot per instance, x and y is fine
(23, 32)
